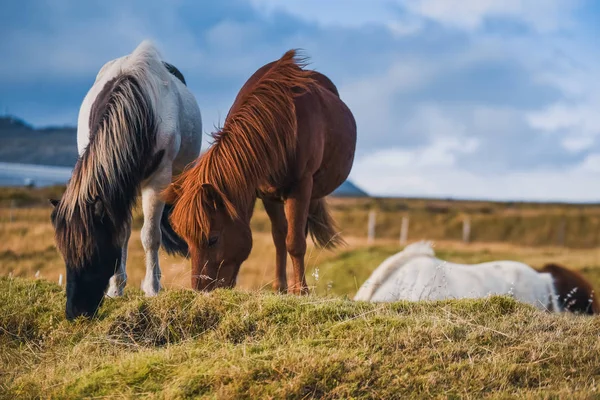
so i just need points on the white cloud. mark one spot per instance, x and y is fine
(346, 13)
(576, 117)
(371, 98)
(403, 15)
(591, 163)
(396, 173)
(542, 15)
(442, 152)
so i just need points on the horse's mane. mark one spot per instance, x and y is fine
(122, 138)
(257, 140)
(573, 289)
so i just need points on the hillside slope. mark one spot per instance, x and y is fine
(233, 344)
(21, 143)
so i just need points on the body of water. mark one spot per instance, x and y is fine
(12, 174)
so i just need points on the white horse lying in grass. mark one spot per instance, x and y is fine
(416, 274)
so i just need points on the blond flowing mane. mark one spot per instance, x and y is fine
(257, 140)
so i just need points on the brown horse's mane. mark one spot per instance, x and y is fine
(257, 140)
(574, 291)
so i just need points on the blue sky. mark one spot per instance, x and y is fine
(491, 99)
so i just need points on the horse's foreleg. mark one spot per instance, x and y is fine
(296, 210)
(117, 282)
(279, 229)
(153, 207)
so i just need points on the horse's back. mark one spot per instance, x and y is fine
(321, 79)
(379, 276)
(174, 107)
(325, 139)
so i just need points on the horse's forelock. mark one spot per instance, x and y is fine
(74, 234)
(193, 206)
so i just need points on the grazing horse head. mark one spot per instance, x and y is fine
(575, 293)
(87, 238)
(213, 200)
(222, 240)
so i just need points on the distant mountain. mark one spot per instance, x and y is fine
(349, 189)
(22, 143)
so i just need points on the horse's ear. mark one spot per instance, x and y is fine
(54, 202)
(212, 196)
(217, 200)
(98, 208)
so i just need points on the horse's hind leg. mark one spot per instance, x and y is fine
(117, 282)
(279, 228)
(296, 211)
(153, 207)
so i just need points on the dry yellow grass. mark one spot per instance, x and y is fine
(251, 344)
(27, 246)
(247, 345)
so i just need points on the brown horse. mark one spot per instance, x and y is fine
(575, 293)
(288, 139)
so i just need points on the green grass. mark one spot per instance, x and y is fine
(255, 344)
(234, 344)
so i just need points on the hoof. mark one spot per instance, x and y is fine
(282, 289)
(151, 290)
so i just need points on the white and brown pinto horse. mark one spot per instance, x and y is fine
(416, 274)
(138, 126)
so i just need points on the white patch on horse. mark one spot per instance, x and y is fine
(415, 274)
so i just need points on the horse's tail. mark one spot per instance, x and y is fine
(321, 227)
(171, 241)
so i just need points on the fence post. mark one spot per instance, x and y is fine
(371, 228)
(404, 230)
(12, 207)
(466, 234)
(60, 278)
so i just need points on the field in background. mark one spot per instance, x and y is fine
(252, 343)
(517, 231)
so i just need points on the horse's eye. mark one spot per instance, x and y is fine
(212, 241)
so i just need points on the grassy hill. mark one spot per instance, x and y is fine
(251, 343)
(234, 344)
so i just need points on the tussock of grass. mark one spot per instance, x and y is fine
(227, 344)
